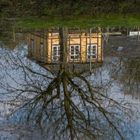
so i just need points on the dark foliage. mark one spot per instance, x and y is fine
(18, 8)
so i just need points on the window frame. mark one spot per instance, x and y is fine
(41, 50)
(32, 46)
(93, 53)
(57, 53)
(74, 52)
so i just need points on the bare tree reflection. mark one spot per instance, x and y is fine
(66, 105)
(129, 76)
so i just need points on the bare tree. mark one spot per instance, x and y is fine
(66, 104)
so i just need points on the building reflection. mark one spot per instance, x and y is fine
(82, 46)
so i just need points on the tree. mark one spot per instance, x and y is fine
(65, 104)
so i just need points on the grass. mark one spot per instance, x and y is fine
(83, 22)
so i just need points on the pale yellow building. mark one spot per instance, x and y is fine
(82, 46)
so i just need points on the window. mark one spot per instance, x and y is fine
(42, 50)
(32, 46)
(74, 52)
(56, 53)
(91, 51)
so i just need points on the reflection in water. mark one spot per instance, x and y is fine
(78, 46)
(72, 106)
(11, 39)
(129, 76)
(67, 103)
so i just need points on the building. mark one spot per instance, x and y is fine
(83, 46)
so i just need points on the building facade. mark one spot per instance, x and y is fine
(82, 46)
